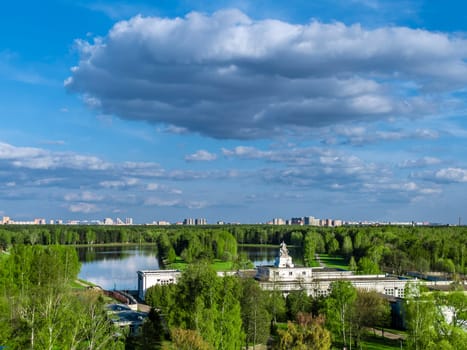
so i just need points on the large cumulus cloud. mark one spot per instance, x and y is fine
(226, 75)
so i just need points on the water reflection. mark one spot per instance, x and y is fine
(266, 255)
(115, 267)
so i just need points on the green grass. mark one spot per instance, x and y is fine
(83, 285)
(4, 255)
(76, 285)
(217, 264)
(333, 261)
(379, 343)
(114, 244)
(256, 245)
(375, 343)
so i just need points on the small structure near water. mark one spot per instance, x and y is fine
(149, 278)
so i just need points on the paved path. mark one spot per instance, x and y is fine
(318, 259)
(386, 334)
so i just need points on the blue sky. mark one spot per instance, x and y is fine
(233, 110)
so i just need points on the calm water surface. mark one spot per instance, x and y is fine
(115, 267)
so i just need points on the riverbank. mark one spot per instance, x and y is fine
(217, 264)
(128, 244)
(251, 245)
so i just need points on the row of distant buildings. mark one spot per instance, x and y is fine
(307, 220)
(312, 221)
(302, 221)
(6, 220)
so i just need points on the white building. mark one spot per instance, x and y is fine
(149, 278)
(316, 281)
(108, 221)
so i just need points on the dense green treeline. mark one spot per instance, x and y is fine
(39, 310)
(204, 311)
(371, 249)
(366, 249)
(196, 244)
(226, 312)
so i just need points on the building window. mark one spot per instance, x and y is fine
(322, 292)
(290, 273)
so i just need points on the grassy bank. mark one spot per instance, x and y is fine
(128, 244)
(250, 245)
(217, 264)
(333, 261)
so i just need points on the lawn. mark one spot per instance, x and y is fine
(380, 343)
(217, 264)
(374, 343)
(333, 261)
(81, 284)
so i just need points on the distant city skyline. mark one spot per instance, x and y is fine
(128, 221)
(240, 111)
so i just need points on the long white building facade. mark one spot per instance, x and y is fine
(316, 281)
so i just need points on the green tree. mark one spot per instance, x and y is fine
(352, 264)
(367, 266)
(204, 303)
(347, 247)
(307, 333)
(255, 317)
(187, 339)
(309, 249)
(339, 308)
(275, 303)
(297, 302)
(370, 310)
(421, 315)
(229, 321)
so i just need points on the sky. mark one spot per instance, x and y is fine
(239, 110)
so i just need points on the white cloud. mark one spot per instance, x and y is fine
(419, 163)
(152, 187)
(452, 175)
(85, 196)
(83, 208)
(230, 76)
(37, 158)
(362, 135)
(160, 202)
(119, 183)
(201, 156)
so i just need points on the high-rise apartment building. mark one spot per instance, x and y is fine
(201, 221)
(189, 221)
(278, 221)
(296, 221)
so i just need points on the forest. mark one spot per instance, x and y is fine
(366, 249)
(40, 309)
